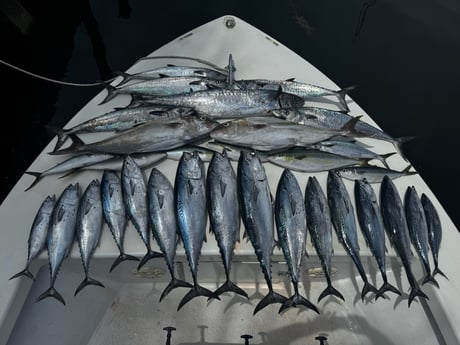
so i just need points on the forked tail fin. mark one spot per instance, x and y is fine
(24, 272)
(150, 255)
(51, 292)
(122, 257)
(429, 278)
(38, 176)
(368, 287)
(342, 94)
(230, 286)
(438, 271)
(271, 298)
(398, 142)
(196, 291)
(297, 300)
(87, 281)
(126, 77)
(416, 291)
(174, 283)
(330, 290)
(387, 287)
(77, 143)
(61, 136)
(111, 93)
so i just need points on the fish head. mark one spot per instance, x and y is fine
(227, 130)
(192, 165)
(255, 167)
(203, 124)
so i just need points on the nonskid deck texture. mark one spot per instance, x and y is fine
(278, 63)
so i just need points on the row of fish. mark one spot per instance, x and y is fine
(164, 210)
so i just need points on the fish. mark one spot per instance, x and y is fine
(163, 86)
(321, 117)
(350, 150)
(160, 201)
(89, 229)
(311, 161)
(224, 214)
(258, 134)
(395, 223)
(258, 219)
(300, 89)
(172, 71)
(118, 120)
(38, 234)
(69, 166)
(290, 219)
(61, 235)
(161, 135)
(191, 214)
(319, 225)
(434, 231)
(371, 224)
(229, 103)
(114, 211)
(134, 191)
(418, 230)
(344, 222)
(372, 173)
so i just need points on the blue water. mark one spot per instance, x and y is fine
(404, 55)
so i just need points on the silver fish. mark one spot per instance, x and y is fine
(418, 230)
(191, 214)
(160, 200)
(290, 219)
(114, 211)
(70, 165)
(89, 229)
(343, 219)
(161, 135)
(165, 86)
(371, 223)
(319, 225)
(274, 135)
(311, 161)
(172, 71)
(397, 231)
(119, 120)
(143, 160)
(434, 231)
(257, 216)
(38, 234)
(61, 235)
(135, 198)
(373, 174)
(320, 117)
(227, 103)
(224, 214)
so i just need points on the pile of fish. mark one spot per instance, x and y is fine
(203, 115)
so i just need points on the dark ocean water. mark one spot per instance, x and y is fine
(404, 55)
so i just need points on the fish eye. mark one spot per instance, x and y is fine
(226, 124)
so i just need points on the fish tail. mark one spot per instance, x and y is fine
(110, 92)
(196, 291)
(271, 298)
(77, 143)
(150, 255)
(438, 271)
(87, 281)
(230, 286)
(386, 287)
(122, 257)
(175, 283)
(296, 300)
(51, 292)
(38, 176)
(330, 290)
(368, 287)
(398, 142)
(24, 272)
(126, 77)
(342, 94)
(416, 291)
(61, 136)
(430, 278)
(385, 157)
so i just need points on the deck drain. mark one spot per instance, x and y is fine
(229, 22)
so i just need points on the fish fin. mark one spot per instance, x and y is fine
(160, 198)
(438, 271)
(385, 157)
(271, 298)
(61, 136)
(223, 187)
(349, 127)
(290, 79)
(416, 291)
(70, 172)
(387, 287)
(230, 286)
(398, 142)
(150, 255)
(330, 290)
(38, 176)
(87, 281)
(161, 75)
(406, 170)
(132, 187)
(430, 278)
(174, 283)
(342, 94)
(122, 257)
(24, 272)
(126, 77)
(196, 291)
(297, 300)
(61, 212)
(276, 244)
(110, 92)
(368, 287)
(76, 144)
(51, 292)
